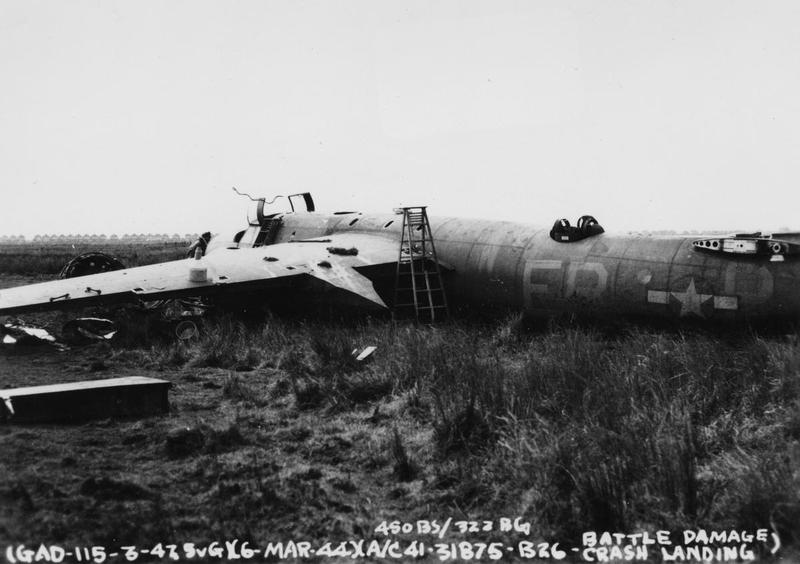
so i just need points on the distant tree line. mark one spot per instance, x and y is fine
(99, 239)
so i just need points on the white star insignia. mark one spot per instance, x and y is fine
(691, 301)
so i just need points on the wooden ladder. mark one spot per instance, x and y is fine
(418, 280)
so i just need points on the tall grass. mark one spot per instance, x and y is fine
(570, 427)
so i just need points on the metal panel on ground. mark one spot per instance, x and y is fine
(133, 396)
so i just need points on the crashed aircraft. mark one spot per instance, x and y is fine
(408, 263)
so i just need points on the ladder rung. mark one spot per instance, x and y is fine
(419, 278)
(420, 283)
(418, 272)
(432, 291)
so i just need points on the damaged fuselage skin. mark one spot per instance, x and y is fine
(499, 265)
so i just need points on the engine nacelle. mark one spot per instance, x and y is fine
(90, 263)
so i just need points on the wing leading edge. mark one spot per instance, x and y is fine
(227, 270)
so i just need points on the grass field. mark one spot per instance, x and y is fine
(48, 258)
(277, 433)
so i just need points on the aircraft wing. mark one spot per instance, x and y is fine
(332, 259)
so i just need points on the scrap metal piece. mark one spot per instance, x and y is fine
(134, 396)
(365, 353)
(18, 333)
(85, 329)
(186, 329)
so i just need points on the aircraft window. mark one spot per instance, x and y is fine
(238, 236)
(387, 224)
(353, 222)
(587, 226)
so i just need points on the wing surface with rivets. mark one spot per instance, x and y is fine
(334, 260)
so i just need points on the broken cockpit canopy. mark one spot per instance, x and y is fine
(587, 226)
(256, 215)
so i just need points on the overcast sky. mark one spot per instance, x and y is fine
(139, 116)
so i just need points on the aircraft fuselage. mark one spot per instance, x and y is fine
(506, 265)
